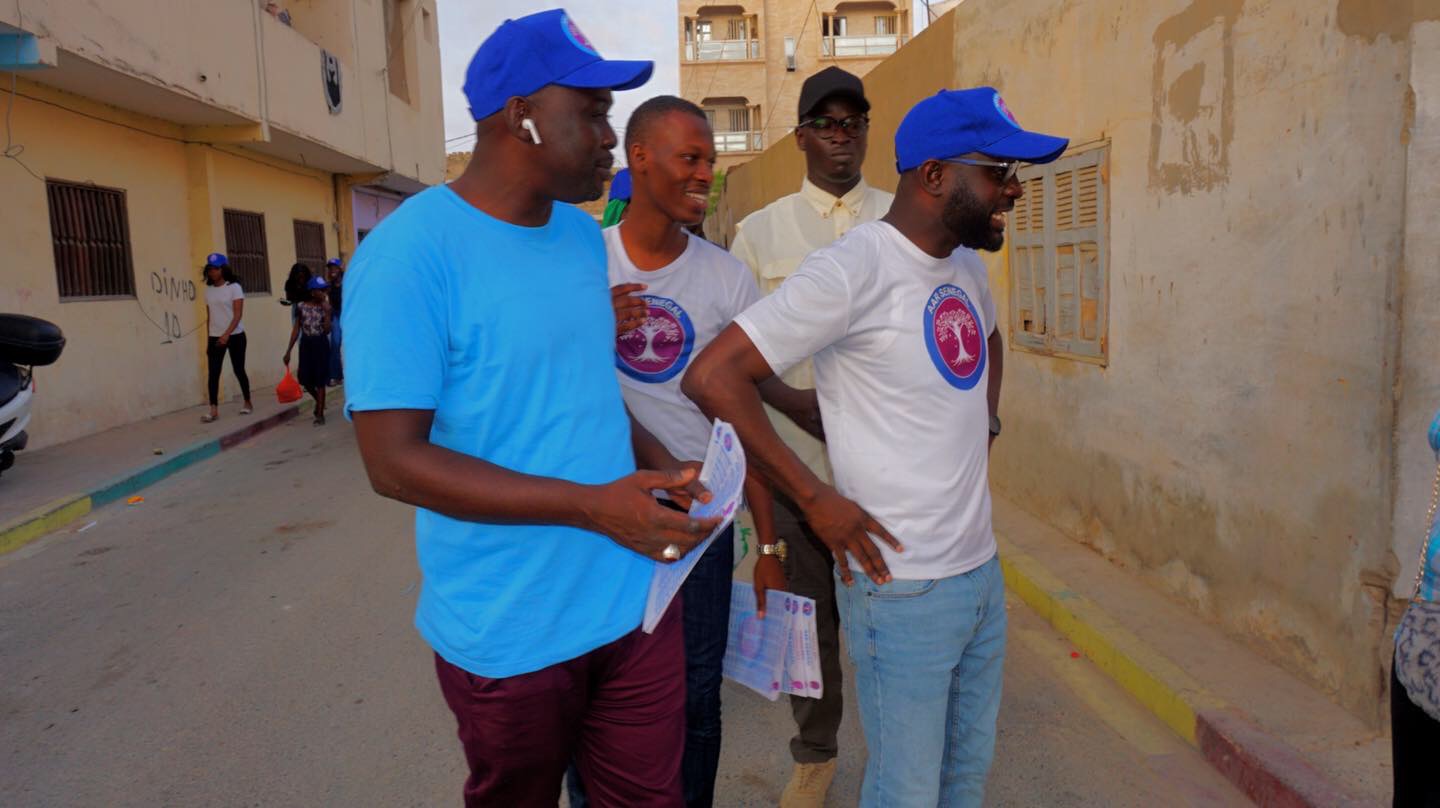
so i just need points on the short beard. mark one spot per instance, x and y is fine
(968, 219)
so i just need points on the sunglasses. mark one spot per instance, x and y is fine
(826, 126)
(1003, 172)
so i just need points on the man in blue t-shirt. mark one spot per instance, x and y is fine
(479, 355)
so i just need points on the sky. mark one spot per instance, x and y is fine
(645, 30)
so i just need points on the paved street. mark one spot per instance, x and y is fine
(243, 638)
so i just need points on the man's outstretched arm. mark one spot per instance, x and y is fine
(724, 381)
(404, 465)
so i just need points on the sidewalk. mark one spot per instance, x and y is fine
(52, 487)
(1281, 741)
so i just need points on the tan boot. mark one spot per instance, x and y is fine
(808, 785)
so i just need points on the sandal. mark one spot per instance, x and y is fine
(207, 418)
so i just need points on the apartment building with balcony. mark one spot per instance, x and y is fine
(744, 62)
(147, 134)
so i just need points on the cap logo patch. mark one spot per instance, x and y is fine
(576, 36)
(1005, 111)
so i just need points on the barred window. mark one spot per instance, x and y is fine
(1059, 257)
(310, 245)
(245, 246)
(91, 233)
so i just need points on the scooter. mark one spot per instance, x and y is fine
(25, 343)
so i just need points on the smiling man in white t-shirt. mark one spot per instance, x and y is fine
(674, 293)
(900, 322)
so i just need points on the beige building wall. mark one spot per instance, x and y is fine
(129, 95)
(1253, 442)
(1417, 292)
(761, 80)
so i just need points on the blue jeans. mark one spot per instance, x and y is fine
(928, 658)
(706, 598)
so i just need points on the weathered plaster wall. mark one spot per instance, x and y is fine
(1238, 449)
(122, 361)
(170, 48)
(1418, 385)
(133, 358)
(222, 71)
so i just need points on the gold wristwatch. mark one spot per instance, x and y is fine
(779, 548)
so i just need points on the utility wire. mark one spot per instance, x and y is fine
(13, 150)
(778, 90)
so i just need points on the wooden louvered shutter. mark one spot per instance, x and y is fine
(1059, 258)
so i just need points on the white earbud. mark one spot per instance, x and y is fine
(530, 127)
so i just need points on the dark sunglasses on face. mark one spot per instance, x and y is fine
(826, 126)
(1003, 172)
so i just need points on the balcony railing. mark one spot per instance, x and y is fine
(738, 142)
(722, 50)
(872, 45)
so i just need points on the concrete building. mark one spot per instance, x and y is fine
(744, 62)
(147, 135)
(1219, 307)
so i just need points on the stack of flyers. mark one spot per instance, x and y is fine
(779, 654)
(724, 475)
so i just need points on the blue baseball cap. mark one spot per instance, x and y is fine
(217, 260)
(333, 262)
(620, 186)
(955, 122)
(317, 282)
(538, 50)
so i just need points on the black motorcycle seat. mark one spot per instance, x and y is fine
(29, 340)
(9, 382)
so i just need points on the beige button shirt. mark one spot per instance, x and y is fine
(774, 240)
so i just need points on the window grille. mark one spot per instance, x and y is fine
(90, 230)
(245, 246)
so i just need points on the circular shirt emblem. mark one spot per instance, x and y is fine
(953, 336)
(573, 32)
(658, 348)
(1005, 112)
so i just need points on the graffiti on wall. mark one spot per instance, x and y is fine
(172, 298)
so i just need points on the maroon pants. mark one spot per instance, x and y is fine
(619, 711)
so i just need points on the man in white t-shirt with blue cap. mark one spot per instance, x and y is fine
(479, 338)
(899, 319)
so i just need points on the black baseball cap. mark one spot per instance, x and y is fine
(831, 81)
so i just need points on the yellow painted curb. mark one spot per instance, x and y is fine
(1162, 686)
(41, 521)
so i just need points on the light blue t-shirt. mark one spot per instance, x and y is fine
(508, 334)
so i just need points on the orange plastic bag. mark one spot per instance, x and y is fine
(288, 389)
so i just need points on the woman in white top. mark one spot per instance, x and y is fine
(225, 304)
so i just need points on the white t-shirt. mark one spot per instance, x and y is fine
(691, 301)
(221, 302)
(774, 240)
(901, 369)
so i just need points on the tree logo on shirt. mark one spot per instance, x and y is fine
(953, 336)
(658, 349)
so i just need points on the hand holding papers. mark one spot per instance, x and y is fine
(724, 474)
(778, 654)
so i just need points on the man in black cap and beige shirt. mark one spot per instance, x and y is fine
(832, 132)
